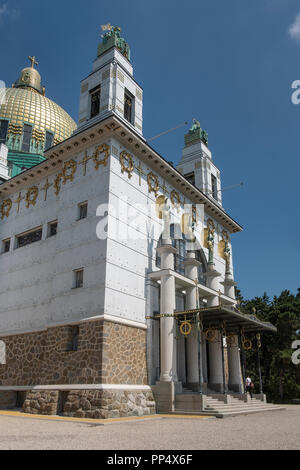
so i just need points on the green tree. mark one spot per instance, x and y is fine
(281, 378)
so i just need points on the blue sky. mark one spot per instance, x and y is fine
(228, 64)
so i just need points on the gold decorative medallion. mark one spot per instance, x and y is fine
(6, 208)
(69, 171)
(127, 165)
(210, 334)
(186, 328)
(175, 199)
(153, 183)
(99, 151)
(31, 196)
(247, 344)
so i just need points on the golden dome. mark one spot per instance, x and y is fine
(26, 104)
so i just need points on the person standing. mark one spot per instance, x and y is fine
(249, 386)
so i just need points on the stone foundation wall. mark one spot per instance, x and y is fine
(42, 403)
(94, 404)
(107, 353)
(109, 404)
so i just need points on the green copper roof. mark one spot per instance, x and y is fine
(196, 134)
(112, 38)
(19, 161)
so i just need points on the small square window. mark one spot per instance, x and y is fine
(5, 246)
(83, 209)
(78, 278)
(52, 229)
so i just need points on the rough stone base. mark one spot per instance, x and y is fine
(96, 404)
(42, 403)
(103, 404)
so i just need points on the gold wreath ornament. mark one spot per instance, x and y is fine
(127, 165)
(6, 208)
(69, 176)
(186, 328)
(247, 344)
(101, 161)
(31, 196)
(210, 334)
(153, 183)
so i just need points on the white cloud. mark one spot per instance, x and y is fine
(294, 29)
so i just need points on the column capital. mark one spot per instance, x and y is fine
(167, 249)
(211, 273)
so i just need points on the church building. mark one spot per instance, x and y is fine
(117, 290)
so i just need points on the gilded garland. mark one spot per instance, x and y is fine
(127, 165)
(153, 183)
(69, 171)
(99, 151)
(6, 208)
(31, 196)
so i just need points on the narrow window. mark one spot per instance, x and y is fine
(78, 278)
(129, 106)
(49, 140)
(52, 229)
(6, 246)
(95, 101)
(214, 190)
(82, 210)
(30, 237)
(26, 138)
(3, 131)
(74, 336)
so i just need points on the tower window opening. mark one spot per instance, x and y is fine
(214, 190)
(129, 106)
(27, 133)
(95, 102)
(3, 131)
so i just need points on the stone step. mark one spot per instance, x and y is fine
(238, 409)
(228, 414)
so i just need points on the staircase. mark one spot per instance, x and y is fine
(219, 405)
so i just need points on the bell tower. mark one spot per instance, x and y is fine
(197, 166)
(111, 88)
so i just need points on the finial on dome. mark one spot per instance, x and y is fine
(33, 61)
(30, 77)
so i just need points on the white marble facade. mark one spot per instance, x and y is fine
(37, 281)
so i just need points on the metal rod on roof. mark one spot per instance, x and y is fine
(167, 132)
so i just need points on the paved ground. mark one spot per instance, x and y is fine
(270, 430)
